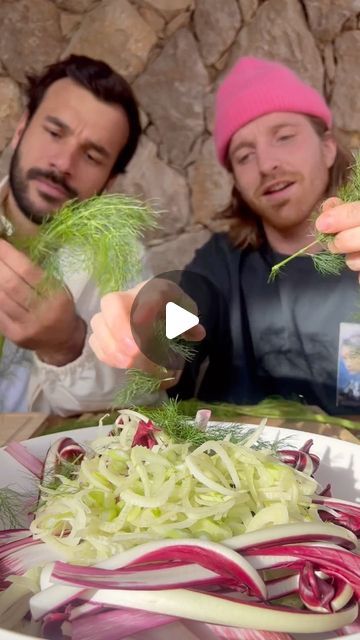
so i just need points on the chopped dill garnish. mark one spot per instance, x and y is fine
(175, 424)
(179, 427)
(65, 469)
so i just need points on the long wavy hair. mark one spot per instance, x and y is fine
(246, 230)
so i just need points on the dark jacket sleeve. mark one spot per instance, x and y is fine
(206, 281)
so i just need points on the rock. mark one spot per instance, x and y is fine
(181, 20)
(154, 19)
(5, 158)
(329, 61)
(327, 17)
(350, 24)
(210, 184)
(216, 25)
(209, 104)
(77, 6)
(115, 32)
(168, 6)
(10, 109)
(171, 91)
(144, 120)
(248, 9)
(69, 22)
(222, 62)
(177, 253)
(288, 40)
(166, 190)
(351, 140)
(153, 134)
(30, 36)
(346, 94)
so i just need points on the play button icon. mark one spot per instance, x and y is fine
(178, 320)
(163, 310)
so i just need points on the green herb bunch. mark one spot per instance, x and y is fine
(325, 261)
(99, 236)
(138, 383)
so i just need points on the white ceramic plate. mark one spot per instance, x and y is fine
(340, 465)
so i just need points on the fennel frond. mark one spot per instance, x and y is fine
(11, 508)
(326, 262)
(138, 383)
(99, 236)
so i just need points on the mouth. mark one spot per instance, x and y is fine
(51, 189)
(277, 190)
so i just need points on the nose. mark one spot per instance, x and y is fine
(64, 159)
(267, 160)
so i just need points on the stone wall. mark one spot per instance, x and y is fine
(174, 52)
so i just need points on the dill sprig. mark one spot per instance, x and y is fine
(178, 345)
(11, 505)
(326, 262)
(64, 469)
(171, 418)
(175, 424)
(139, 383)
(100, 236)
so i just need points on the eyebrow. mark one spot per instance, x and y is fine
(274, 129)
(89, 143)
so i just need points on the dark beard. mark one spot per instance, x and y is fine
(19, 187)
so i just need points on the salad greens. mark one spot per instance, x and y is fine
(147, 526)
(124, 494)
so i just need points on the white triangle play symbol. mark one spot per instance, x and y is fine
(178, 320)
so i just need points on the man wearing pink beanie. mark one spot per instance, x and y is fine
(273, 133)
(256, 87)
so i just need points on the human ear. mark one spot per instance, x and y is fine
(329, 146)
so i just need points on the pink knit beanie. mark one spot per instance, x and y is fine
(255, 87)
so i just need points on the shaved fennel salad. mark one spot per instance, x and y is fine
(162, 527)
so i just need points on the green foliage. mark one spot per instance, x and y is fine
(11, 505)
(177, 426)
(171, 418)
(138, 383)
(328, 263)
(179, 346)
(350, 192)
(325, 262)
(100, 236)
(272, 407)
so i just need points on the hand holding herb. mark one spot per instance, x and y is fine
(342, 220)
(47, 324)
(113, 342)
(99, 236)
(337, 230)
